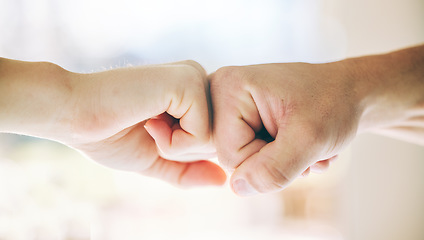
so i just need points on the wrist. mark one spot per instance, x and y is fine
(34, 98)
(390, 88)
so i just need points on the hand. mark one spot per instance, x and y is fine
(141, 119)
(274, 122)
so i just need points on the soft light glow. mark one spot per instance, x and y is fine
(51, 192)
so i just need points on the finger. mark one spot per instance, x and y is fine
(260, 166)
(320, 166)
(200, 173)
(236, 120)
(323, 165)
(272, 168)
(162, 132)
(193, 131)
(140, 93)
(232, 139)
(172, 140)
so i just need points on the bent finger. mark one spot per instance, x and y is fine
(276, 165)
(190, 174)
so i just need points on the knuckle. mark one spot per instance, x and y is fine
(229, 159)
(184, 73)
(201, 145)
(272, 179)
(193, 63)
(177, 150)
(228, 72)
(169, 150)
(192, 73)
(190, 62)
(172, 151)
(229, 153)
(225, 85)
(269, 175)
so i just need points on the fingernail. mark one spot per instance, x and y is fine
(242, 188)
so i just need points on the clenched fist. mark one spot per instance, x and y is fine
(274, 122)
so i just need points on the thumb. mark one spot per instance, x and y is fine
(273, 167)
(174, 143)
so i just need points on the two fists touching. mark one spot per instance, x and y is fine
(268, 123)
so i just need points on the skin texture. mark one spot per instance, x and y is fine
(271, 122)
(114, 117)
(288, 119)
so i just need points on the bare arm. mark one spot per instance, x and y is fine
(391, 87)
(152, 119)
(311, 112)
(34, 98)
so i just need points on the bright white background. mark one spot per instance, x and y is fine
(48, 191)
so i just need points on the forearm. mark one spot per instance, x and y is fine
(391, 89)
(33, 98)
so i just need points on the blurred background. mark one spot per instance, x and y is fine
(49, 191)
